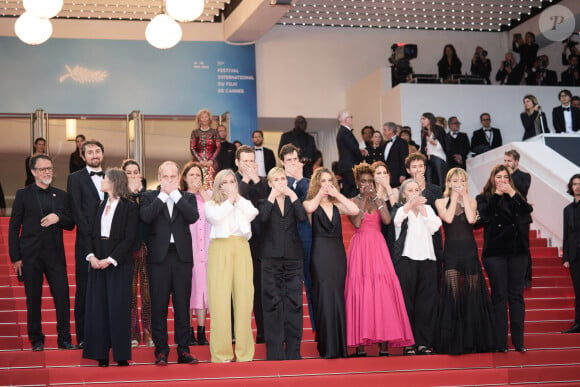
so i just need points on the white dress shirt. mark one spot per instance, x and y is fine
(97, 180)
(435, 150)
(106, 222)
(568, 119)
(229, 219)
(260, 160)
(419, 241)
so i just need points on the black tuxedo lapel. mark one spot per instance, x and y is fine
(89, 183)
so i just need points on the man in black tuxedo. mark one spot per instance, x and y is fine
(396, 150)
(349, 154)
(571, 246)
(84, 189)
(566, 118)
(168, 213)
(227, 154)
(522, 181)
(254, 188)
(540, 75)
(264, 156)
(570, 76)
(485, 138)
(457, 144)
(303, 141)
(39, 214)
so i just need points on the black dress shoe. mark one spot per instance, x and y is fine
(38, 347)
(67, 345)
(123, 363)
(81, 344)
(502, 350)
(161, 360)
(358, 354)
(103, 363)
(186, 358)
(521, 349)
(383, 353)
(575, 329)
(260, 339)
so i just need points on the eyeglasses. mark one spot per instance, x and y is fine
(486, 119)
(43, 170)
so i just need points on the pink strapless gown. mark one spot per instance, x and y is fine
(375, 308)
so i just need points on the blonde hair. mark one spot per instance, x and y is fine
(460, 172)
(199, 113)
(275, 171)
(217, 195)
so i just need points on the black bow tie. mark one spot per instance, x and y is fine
(566, 109)
(391, 140)
(487, 130)
(258, 149)
(100, 173)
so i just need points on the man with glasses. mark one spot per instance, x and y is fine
(39, 214)
(457, 144)
(485, 138)
(565, 117)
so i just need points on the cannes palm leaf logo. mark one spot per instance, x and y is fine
(83, 75)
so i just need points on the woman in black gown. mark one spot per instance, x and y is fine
(465, 322)
(325, 204)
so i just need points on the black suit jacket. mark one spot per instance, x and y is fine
(348, 152)
(84, 199)
(396, 160)
(282, 239)
(479, 142)
(226, 156)
(269, 159)
(254, 193)
(307, 146)
(529, 127)
(457, 146)
(24, 230)
(122, 235)
(160, 225)
(522, 181)
(558, 119)
(571, 237)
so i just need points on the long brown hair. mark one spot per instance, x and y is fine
(119, 182)
(489, 187)
(192, 164)
(315, 183)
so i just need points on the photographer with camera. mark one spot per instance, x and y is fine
(527, 48)
(510, 72)
(539, 75)
(481, 65)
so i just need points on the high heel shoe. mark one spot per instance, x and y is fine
(103, 363)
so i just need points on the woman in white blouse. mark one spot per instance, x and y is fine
(434, 145)
(416, 267)
(229, 269)
(110, 255)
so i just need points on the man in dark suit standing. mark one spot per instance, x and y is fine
(84, 189)
(264, 156)
(486, 138)
(396, 151)
(571, 246)
(254, 188)
(522, 181)
(303, 141)
(227, 154)
(39, 214)
(168, 213)
(566, 118)
(349, 154)
(457, 144)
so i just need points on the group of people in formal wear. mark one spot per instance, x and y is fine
(231, 234)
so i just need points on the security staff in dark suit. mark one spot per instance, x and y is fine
(457, 144)
(566, 118)
(522, 181)
(571, 245)
(395, 153)
(168, 213)
(282, 268)
(227, 154)
(84, 189)
(254, 188)
(110, 255)
(349, 154)
(303, 141)
(486, 138)
(39, 214)
(264, 156)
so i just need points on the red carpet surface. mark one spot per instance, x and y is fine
(553, 359)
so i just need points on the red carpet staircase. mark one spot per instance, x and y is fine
(552, 358)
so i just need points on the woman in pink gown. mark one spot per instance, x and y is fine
(191, 180)
(375, 307)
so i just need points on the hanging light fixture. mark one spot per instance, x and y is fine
(32, 30)
(163, 32)
(184, 10)
(43, 8)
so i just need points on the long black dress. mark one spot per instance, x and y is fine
(328, 277)
(465, 321)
